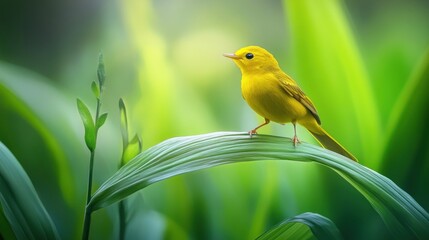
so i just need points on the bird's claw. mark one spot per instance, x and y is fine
(252, 132)
(295, 140)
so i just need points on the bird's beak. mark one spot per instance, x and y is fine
(231, 55)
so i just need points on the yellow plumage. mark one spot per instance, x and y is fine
(274, 95)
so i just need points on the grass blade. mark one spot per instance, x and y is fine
(101, 72)
(326, 58)
(406, 150)
(402, 214)
(22, 207)
(303, 226)
(133, 148)
(124, 123)
(28, 94)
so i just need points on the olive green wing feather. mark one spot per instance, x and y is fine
(291, 88)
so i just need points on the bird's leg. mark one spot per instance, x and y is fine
(295, 139)
(251, 132)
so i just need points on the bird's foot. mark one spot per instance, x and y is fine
(252, 132)
(295, 140)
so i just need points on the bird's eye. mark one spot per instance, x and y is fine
(249, 56)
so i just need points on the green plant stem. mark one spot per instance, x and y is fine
(97, 115)
(86, 223)
(121, 204)
(122, 216)
(87, 216)
(90, 173)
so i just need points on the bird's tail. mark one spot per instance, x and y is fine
(328, 142)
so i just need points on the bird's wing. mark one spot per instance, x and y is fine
(291, 88)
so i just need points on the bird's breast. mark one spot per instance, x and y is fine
(266, 97)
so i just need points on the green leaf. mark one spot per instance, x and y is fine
(324, 55)
(130, 148)
(95, 89)
(101, 73)
(303, 226)
(124, 123)
(133, 148)
(409, 127)
(6, 230)
(101, 120)
(22, 207)
(401, 213)
(28, 94)
(88, 124)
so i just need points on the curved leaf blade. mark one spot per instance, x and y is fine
(28, 94)
(88, 124)
(303, 226)
(133, 148)
(22, 207)
(101, 120)
(101, 72)
(95, 90)
(124, 123)
(409, 120)
(401, 213)
(333, 62)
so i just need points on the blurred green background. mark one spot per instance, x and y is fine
(361, 62)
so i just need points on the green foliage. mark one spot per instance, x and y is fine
(22, 207)
(101, 73)
(101, 120)
(403, 216)
(408, 129)
(27, 95)
(353, 58)
(88, 124)
(130, 148)
(303, 226)
(91, 131)
(123, 122)
(95, 89)
(333, 64)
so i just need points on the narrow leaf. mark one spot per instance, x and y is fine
(325, 56)
(28, 94)
(406, 150)
(310, 225)
(124, 123)
(101, 120)
(22, 207)
(136, 140)
(88, 124)
(401, 213)
(133, 148)
(95, 89)
(101, 74)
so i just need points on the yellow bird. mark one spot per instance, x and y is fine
(275, 96)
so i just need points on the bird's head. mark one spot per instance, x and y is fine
(252, 59)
